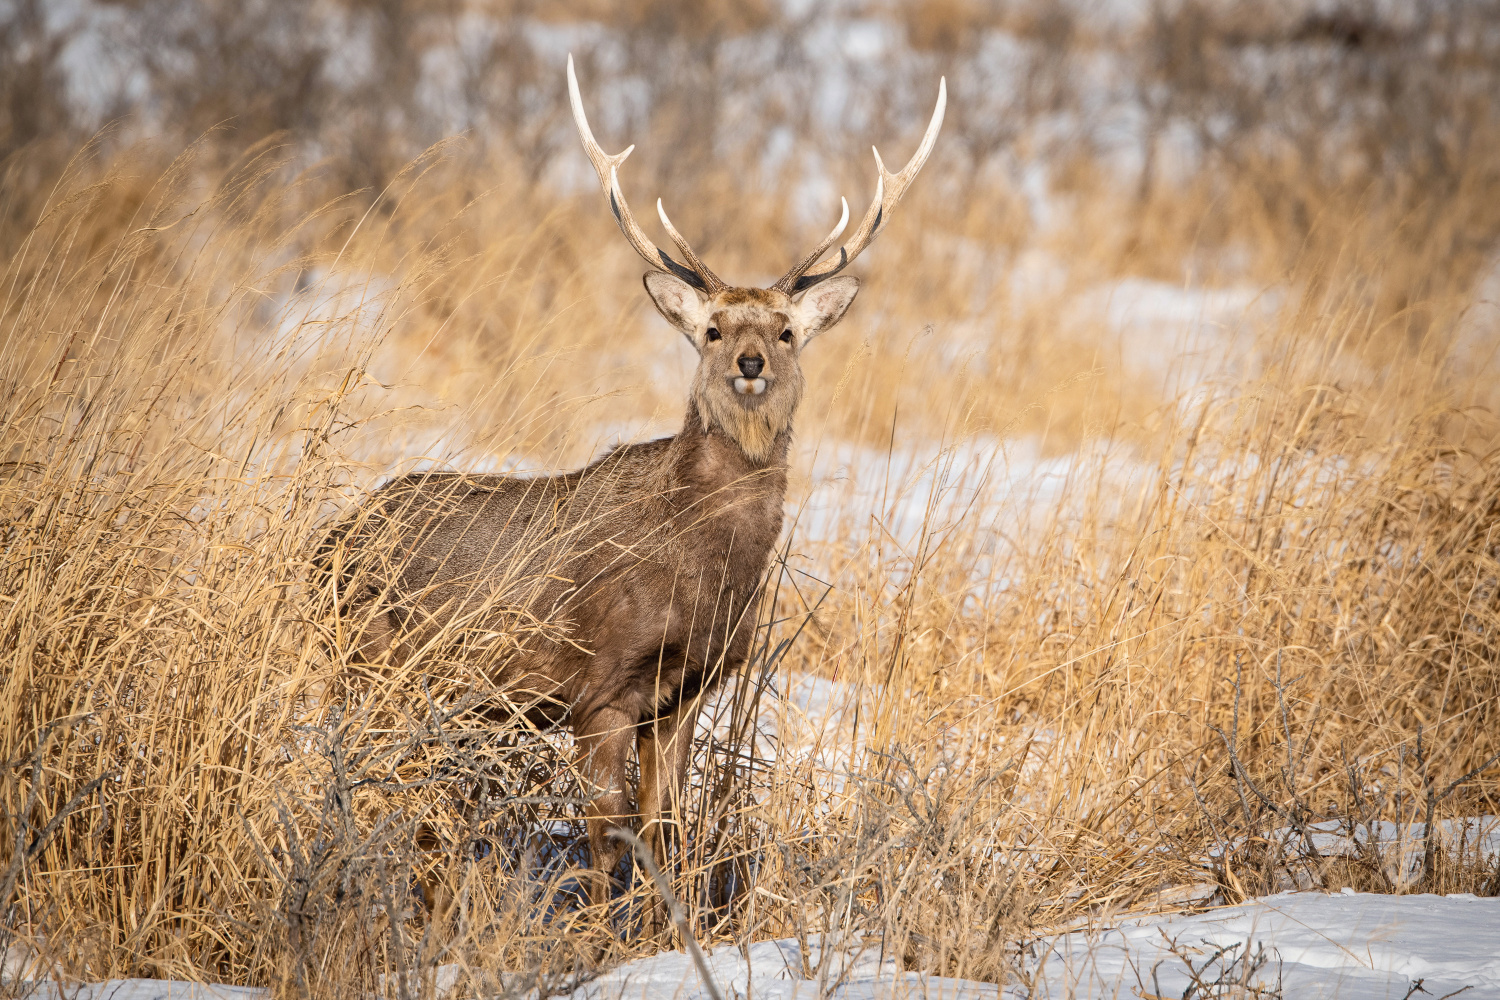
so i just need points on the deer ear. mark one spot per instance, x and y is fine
(824, 304)
(679, 303)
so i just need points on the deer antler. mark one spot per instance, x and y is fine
(607, 167)
(889, 188)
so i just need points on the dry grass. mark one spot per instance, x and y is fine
(1232, 607)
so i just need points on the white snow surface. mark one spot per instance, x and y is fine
(1354, 946)
(1357, 946)
(775, 971)
(1313, 945)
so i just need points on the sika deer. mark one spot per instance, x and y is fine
(631, 582)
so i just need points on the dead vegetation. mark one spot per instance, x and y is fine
(1138, 634)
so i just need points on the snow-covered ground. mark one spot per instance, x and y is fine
(1307, 946)
(1296, 946)
(775, 970)
(1315, 945)
(1178, 337)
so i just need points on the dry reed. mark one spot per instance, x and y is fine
(1152, 656)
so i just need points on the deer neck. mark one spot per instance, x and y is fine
(708, 461)
(762, 433)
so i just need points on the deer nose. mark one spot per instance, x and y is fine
(751, 367)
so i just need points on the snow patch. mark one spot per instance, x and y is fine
(1354, 946)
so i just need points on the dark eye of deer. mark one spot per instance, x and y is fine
(786, 336)
(713, 334)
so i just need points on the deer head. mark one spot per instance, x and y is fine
(749, 340)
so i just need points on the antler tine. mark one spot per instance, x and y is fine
(790, 278)
(607, 167)
(711, 280)
(889, 188)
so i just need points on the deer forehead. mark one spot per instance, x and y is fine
(751, 310)
(768, 298)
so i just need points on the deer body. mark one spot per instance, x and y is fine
(648, 560)
(633, 581)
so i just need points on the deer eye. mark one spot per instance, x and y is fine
(713, 334)
(786, 336)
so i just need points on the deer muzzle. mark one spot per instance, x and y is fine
(750, 386)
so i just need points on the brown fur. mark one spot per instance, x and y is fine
(622, 592)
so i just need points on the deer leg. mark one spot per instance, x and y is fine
(603, 751)
(664, 746)
(437, 894)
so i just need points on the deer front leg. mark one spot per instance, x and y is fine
(603, 750)
(665, 746)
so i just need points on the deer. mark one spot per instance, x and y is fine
(632, 583)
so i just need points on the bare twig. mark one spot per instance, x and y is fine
(679, 916)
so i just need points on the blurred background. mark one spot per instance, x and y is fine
(1255, 148)
(1283, 109)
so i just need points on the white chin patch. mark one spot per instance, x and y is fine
(749, 386)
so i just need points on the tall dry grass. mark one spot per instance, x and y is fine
(1103, 639)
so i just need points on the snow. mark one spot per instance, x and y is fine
(1315, 945)
(775, 971)
(798, 712)
(1187, 335)
(148, 989)
(1003, 487)
(1349, 945)
(1310, 945)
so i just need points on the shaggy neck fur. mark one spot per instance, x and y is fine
(762, 434)
(756, 429)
